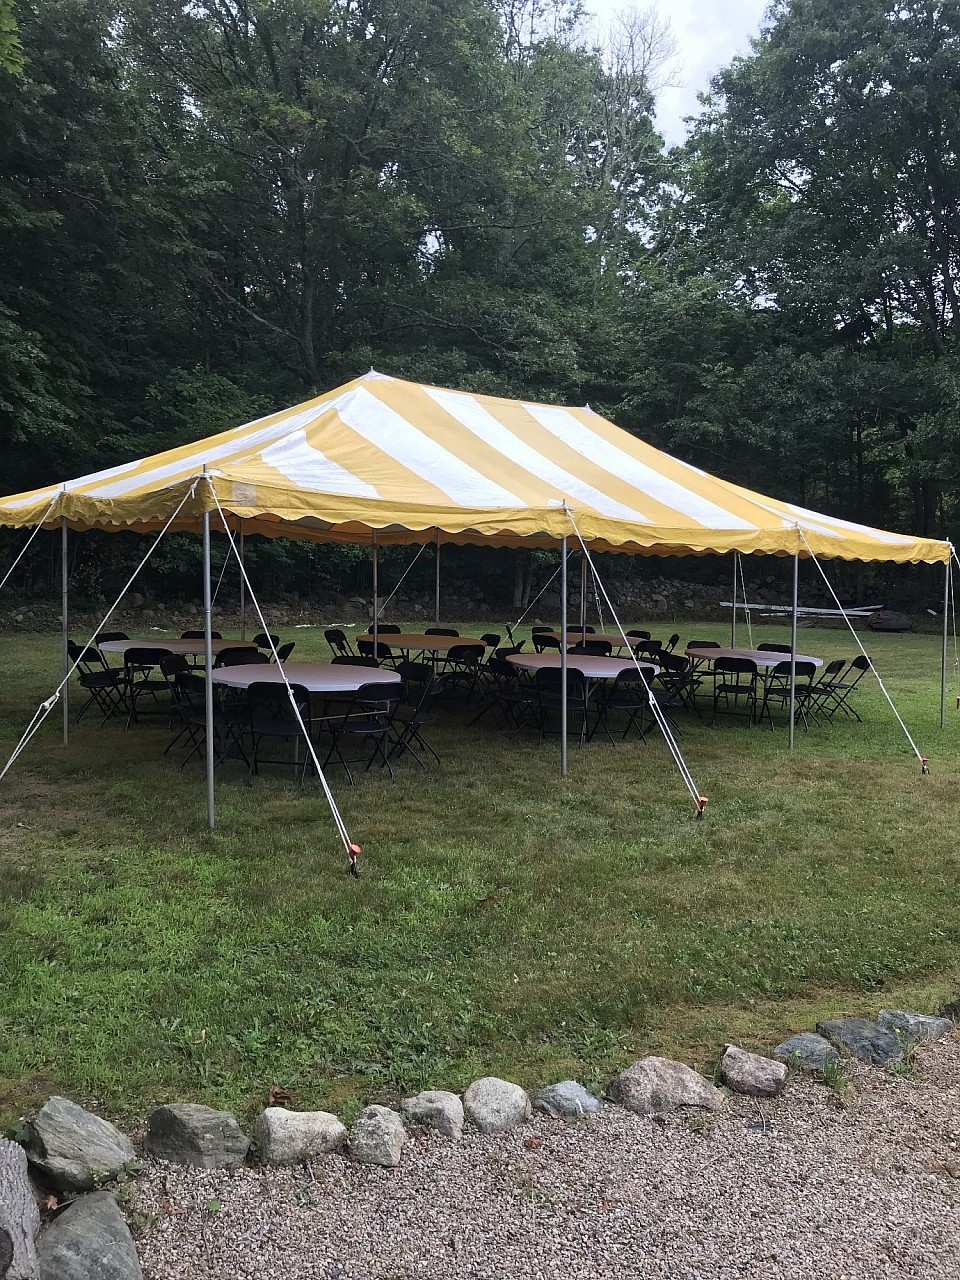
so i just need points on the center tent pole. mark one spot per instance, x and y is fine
(943, 654)
(376, 599)
(733, 619)
(65, 626)
(243, 589)
(208, 662)
(436, 588)
(563, 660)
(793, 647)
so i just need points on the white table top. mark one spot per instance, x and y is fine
(421, 643)
(317, 677)
(185, 647)
(590, 667)
(762, 657)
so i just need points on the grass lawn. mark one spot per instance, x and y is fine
(506, 921)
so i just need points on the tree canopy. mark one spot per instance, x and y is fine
(208, 210)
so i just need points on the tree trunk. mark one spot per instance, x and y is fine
(19, 1216)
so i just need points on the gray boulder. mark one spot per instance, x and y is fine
(752, 1074)
(806, 1052)
(76, 1149)
(89, 1241)
(659, 1084)
(289, 1137)
(495, 1105)
(378, 1137)
(864, 1039)
(436, 1109)
(187, 1133)
(889, 620)
(914, 1026)
(567, 1100)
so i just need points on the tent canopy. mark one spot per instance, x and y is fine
(405, 463)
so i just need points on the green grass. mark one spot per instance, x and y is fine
(506, 921)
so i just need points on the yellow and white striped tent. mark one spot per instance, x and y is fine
(381, 457)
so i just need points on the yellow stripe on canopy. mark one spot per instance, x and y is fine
(404, 461)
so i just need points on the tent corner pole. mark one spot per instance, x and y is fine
(376, 596)
(208, 663)
(733, 615)
(583, 598)
(243, 589)
(943, 652)
(793, 648)
(65, 626)
(563, 659)
(436, 587)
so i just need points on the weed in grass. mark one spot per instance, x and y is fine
(835, 1077)
(505, 922)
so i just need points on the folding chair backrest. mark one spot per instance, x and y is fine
(378, 694)
(240, 658)
(805, 671)
(861, 664)
(736, 666)
(500, 668)
(285, 650)
(337, 640)
(273, 694)
(767, 647)
(507, 651)
(468, 654)
(384, 629)
(599, 648)
(542, 641)
(439, 631)
(704, 644)
(675, 662)
(414, 672)
(636, 634)
(144, 657)
(262, 640)
(199, 635)
(366, 648)
(551, 678)
(647, 649)
(354, 660)
(540, 631)
(490, 639)
(102, 636)
(672, 642)
(173, 664)
(88, 660)
(833, 668)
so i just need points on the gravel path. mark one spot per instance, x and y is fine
(797, 1187)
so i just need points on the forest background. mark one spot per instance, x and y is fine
(210, 211)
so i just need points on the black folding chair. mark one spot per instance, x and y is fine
(628, 695)
(264, 640)
(769, 647)
(272, 718)
(507, 691)
(543, 641)
(199, 635)
(141, 684)
(636, 634)
(834, 695)
(104, 684)
(647, 650)
(549, 704)
(409, 719)
(597, 648)
(240, 658)
(679, 680)
(491, 640)
(382, 652)
(439, 631)
(776, 690)
(462, 667)
(285, 650)
(735, 684)
(672, 642)
(384, 629)
(338, 642)
(365, 721)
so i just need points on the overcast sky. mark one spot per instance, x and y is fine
(710, 33)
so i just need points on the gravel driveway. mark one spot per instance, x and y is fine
(798, 1187)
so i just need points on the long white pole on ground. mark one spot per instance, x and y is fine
(65, 626)
(243, 589)
(943, 655)
(563, 661)
(208, 663)
(376, 598)
(733, 618)
(793, 648)
(436, 587)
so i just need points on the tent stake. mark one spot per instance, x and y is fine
(793, 647)
(733, 618)
(943, 654)
(65, 626)
(436, 588)
(208, 661)
(563, 661)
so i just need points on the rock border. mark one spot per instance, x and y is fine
(187, 1133)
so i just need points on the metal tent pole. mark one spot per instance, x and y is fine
(243, 590)
(583, 597)
(563, 661)
(943, 655)
(793, 647)
(733, 620)
(436, 587)
(208, 663)
(376, 598)
(64, 626)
